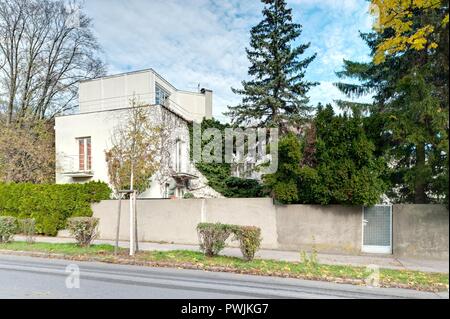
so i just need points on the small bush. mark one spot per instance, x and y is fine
(84, 229)
(8, 227)
(27, 226)
(188, 196)
(212, 237)
(249, 238)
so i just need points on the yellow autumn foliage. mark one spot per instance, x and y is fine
(397, 15)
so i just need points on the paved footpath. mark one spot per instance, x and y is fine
(330, 259)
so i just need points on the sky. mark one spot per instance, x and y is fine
(192, 42)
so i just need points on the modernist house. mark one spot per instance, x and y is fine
(83, 138)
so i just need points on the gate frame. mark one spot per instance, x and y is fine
(378, 249)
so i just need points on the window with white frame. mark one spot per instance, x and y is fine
(84, 154)
(166, 190)
(160, 95)
(179, 156)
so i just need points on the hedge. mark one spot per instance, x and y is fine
(49, 204)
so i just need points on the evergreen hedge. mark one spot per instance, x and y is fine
(50, 205)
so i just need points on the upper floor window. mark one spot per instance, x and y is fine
(160, 95)
(179, 156)
(84, 154)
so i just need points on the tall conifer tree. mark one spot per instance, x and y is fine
(276, 94)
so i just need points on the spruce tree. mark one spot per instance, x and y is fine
(276, 94)
(408, 119)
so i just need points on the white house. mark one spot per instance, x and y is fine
(83, 138)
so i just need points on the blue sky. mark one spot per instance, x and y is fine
(203, 41)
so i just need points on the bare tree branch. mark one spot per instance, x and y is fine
(45, 51)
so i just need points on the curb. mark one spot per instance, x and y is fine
(164, 264)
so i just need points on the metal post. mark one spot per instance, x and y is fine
(136, 242)
(116, 248)
(131, 226)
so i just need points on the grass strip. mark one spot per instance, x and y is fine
(195, 260)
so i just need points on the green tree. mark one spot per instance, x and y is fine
(283, 185)
(408, 120)
(333, 164)
(276, 93)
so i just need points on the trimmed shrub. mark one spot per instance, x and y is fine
(84, 229)
(27, 227)
(8, 227)
(50, 205)
(212, 237)
(249, 238)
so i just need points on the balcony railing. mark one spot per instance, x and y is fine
(69, 165)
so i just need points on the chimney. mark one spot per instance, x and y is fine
(208, 102)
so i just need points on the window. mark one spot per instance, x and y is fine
(84, 154)
(166, 190)
(178, 156)
(180, 191)
(160, 95)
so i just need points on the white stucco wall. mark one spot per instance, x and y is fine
(100, 126)
(113, 92)
(104, 104)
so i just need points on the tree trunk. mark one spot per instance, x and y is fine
(116, 247)
(420, 196)
(136, 242)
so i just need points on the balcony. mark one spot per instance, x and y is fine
(69, 165)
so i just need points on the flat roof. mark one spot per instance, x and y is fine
(150, 70)
(125, 108)
(144, 71)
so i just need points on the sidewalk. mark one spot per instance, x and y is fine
(389, 262)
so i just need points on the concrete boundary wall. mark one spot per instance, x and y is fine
(418, 230)
(333, 229)
(176, 220)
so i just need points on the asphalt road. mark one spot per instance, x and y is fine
(27, 277)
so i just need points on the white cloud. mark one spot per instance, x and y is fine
(338, 6)
(327, 93)
(203, 41)
(200, 42)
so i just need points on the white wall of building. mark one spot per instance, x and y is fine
(104, 106)
(113, 92)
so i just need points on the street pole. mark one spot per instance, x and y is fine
(136, 241)
(132, 247)
(116, 248)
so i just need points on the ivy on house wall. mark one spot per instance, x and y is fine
(219, 174)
